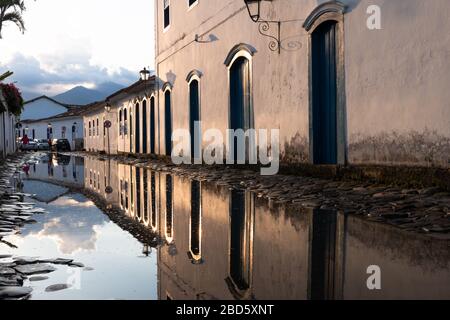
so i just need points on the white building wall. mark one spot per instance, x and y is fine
(396, 78)
(7, 132)
(57, 125)
(102, 139)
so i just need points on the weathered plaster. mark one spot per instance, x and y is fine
(424, 148)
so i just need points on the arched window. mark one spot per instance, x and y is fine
(125, 122)
(239, 66)
(120, 123)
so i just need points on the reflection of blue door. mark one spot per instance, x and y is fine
(324, 115)
(323, 255)
(194, 116)
(240, 240)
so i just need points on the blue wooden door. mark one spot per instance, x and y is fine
(152, 126)
(144, 127)
(138, 130)
(168, 122)
(194, 116)
(324, 94)
(240, 106)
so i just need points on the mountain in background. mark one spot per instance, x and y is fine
(81, 95)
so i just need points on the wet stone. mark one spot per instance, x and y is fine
(57, 261)
(57, 287)
(14, 292)
(38, 278)
(38, 268)
(76, 264)
(7, 272)
(23, 261)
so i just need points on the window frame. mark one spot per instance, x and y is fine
(193, 5)
(166, 27)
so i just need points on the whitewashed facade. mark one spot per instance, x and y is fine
(392, 69)
(8, 122)
(68, 126)
(98, 138)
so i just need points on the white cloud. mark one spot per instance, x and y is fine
(75, 42)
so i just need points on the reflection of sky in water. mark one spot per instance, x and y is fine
(75, 228)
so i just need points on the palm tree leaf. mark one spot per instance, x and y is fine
(15, 17)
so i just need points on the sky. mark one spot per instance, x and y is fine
(78, 42)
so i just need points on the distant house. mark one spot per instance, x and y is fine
(67, 125)
(132, 118)
(42, 107)
(98, 138)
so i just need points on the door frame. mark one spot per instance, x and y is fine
(330, 11)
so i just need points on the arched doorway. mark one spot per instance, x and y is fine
(327, 111)
(152, 126)
(241, 115)
(144, 126)
(137, 136)
(168, 121)
(324, 89)
(194, 118)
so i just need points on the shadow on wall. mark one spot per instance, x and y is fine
(350, 4)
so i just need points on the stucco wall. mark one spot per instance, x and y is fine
(40, 129)
(99, 141)
(126, 143)
(395, 78)
(7, 131)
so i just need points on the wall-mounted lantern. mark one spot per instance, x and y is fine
(145, 74)
(108, 107)
(254, 11)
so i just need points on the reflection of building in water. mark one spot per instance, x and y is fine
(101, 177)
(231, 245)
(60, 169)
(239, 247)
(227, 247)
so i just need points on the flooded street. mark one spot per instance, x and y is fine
(214, 242)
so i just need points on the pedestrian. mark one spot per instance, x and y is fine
(25, 140)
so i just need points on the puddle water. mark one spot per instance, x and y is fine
(215, 243)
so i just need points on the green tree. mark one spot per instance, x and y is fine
(11, 11)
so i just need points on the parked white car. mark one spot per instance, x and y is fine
(42, 144)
